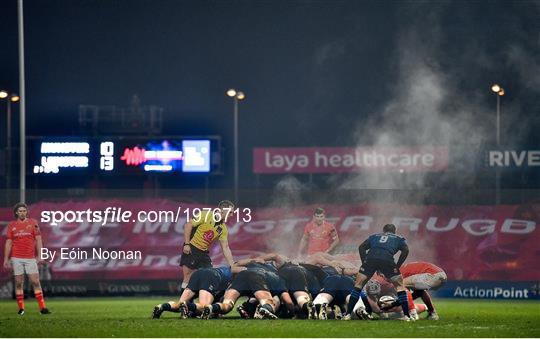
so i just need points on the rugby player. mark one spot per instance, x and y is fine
(284, 305)
(385, 310)
(304, 278)
(249, 308)
(208, 283)
(377, 254)
(333, 295)
(259, 281)
(300, 282)
(420, 277)
(324, 259)
(377, 287)
(23, 238)
(319, 235)
(295, 277)
(203, 231)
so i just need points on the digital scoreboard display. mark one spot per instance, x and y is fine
(57, 156)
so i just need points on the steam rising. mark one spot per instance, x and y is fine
(433, 103)
(440, 97)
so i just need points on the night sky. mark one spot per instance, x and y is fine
(316, 73)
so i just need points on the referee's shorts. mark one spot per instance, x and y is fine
(196, 259)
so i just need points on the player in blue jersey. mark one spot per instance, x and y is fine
(208, 283)
(258, 280)
(304, 279)
(377, 255)
(329, 287)
(276, 286)
(332, 297)
(295, 277)
(283, 304)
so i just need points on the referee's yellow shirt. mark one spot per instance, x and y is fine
(206, 231)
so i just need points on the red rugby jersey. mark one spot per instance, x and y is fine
(320, 237)
(419, 267)
(23, 235)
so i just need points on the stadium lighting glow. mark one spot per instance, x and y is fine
(237, 96)
(499, 91)
(3, 94)
(15, 98)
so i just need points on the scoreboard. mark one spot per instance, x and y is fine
(56, 156)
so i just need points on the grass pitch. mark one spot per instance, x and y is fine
(130, 317)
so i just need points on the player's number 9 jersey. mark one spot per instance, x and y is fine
(384, 245)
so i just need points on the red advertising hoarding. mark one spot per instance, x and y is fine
(469, 242)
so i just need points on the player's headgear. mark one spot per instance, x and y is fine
(318, 211)
(225, 204)
(389, 228)
(373, 287)
(19, 205)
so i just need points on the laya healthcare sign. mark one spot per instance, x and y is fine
(349, 159)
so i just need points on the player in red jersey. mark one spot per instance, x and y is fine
(319, 235)
(378, 287)
(421, 277)
(418, 277)
(23, 237)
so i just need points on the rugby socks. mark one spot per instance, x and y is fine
(364, 297)
(319, 301)
(355, 296)
(402, 297)
(417, 294)
(410, 300)
(268, 307)
(250, 307)
(40, 300)
(191, 306)
(216, 308)
(304, 309)
(412, 308)
(426, 298)
(318, 308)
(20, 301)
(167, 307)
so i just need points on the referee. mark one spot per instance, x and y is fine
(203, 231)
